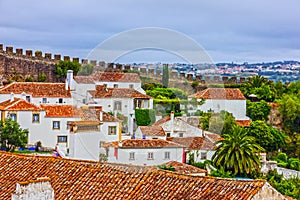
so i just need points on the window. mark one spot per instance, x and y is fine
(28, 99)
(150, 155)
(13, 116)
(130, 85)
(180, 134)
(56, 125)
(203, 155)
(60, 100)
(62, 139)
(118, 105)
(167, 155)
(44, 100)
(168, 134)
(35, 118)
(115, 85)
(68, 125)
(112, 130)
(131, 156)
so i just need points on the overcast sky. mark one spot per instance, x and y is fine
(229, 30)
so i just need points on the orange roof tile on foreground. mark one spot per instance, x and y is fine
(116, 77)
(104, 92)
(219, 93)
(73, 179)
(37, 89)
(152, 130)
(140, 143)
(183, 168)
(61, 111)
(18, 105)
(84, 79)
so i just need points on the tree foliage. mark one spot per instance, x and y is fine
(145, 117)
(258, 110)
(237, 152)
(86, 70)
(11, 135)
(266, 136)
(63, 66)
(165, 78)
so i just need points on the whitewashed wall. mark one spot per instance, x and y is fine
(236, 107)
(141, 155)
(85, 145)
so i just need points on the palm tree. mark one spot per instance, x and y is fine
(237, 152)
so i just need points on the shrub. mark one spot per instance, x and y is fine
(145, 117)
(282, 157)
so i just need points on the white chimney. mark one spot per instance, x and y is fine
(12, 97)
(172, 124)
(70, 79)
(101, 116)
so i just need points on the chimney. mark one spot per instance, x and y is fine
(12, 97)
(70, 79)
(172, 124)
(101, 115)
(39, 188)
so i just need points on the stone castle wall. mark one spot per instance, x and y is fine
(29, 63)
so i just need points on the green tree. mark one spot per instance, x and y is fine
(258, 110)
(86, 70)
(266, 136)
(145, 117)
(237, 152)
(42, 77)
(290, 112)
(11, 135)
(63, 66)
(165, 78)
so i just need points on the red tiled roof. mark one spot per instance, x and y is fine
(183, 168)
(194, 143)
(94, 114)
(162, 121)
(18, 105)
(61, 111)
(152, 130)
(243, 122)
(84, 79)
(139, 143)
(116, 77)
(74, 179)
(103, 92)
(219, 93)
(37, 89)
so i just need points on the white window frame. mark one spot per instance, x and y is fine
(112, 130)
(203, 155)
(56, 127)
(167, 155)
(34, 120)
(118, 105)
(44, 100)
(150, 156)
(62, 136)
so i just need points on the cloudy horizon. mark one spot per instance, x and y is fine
(229, 31)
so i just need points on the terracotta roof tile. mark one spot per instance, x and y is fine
(61, 111)
(37, 89)
(139, 143)
(74, 179)
(103, 92)
(94, 114)
(116, 77)
(162, 121)
(219, 93)
(84, 79)
(183, 168)
(18, 105)
(243, 122)
(152, 130)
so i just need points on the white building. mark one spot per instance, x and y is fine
(201, 148)
(150, 132)
(38, 93)
(178, 127)
(218, 99)
(144, 152)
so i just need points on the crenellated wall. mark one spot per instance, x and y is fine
(32, 63)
